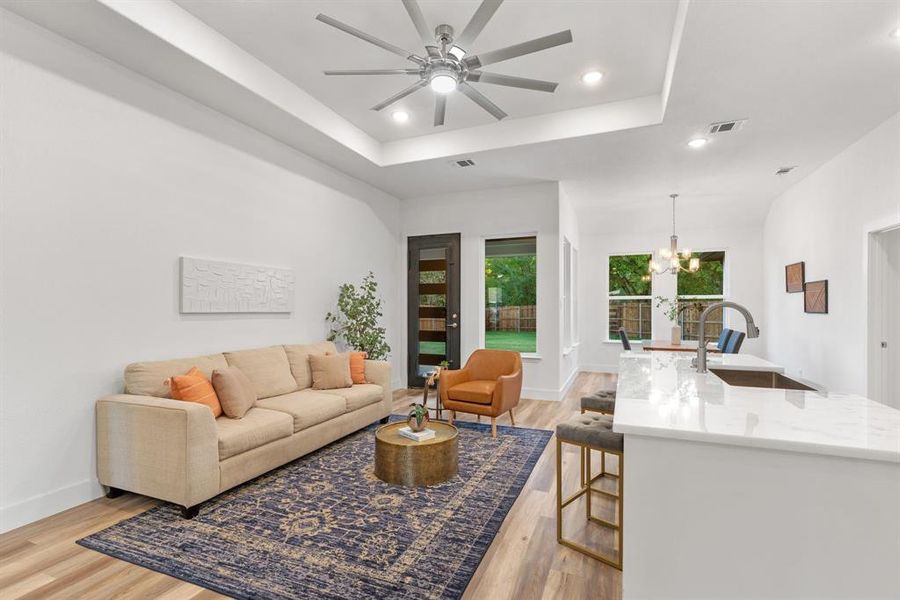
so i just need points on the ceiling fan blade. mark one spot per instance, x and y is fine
(482, 101)
(418, 19)
(366, 37)
(401, 94)
(433, 51)
(508, 80)
(373, 72)
(535, 45)
(481, 17)
(440, 109)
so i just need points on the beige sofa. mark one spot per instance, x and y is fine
(149, 444)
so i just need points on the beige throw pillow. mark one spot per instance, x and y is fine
(330, 371)
(235, 391)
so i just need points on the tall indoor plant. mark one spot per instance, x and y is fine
(355, 322)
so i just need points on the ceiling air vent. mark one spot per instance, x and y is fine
(727, 126)
(785, 170)
(463, 163)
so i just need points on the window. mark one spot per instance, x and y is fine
(568, 295)
(575, 338)
(510, 294)
(629, 296)
(698, 290)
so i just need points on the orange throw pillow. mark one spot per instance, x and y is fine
(358, 367)
(194, 387)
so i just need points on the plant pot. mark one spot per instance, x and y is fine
(676, 336)
(416, 425)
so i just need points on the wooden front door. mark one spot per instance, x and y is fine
(433, 304)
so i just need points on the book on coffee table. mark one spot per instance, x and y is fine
(419, 436)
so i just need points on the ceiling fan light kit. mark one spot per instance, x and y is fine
(447, 66)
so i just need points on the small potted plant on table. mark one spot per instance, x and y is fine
(418, 416)
(671, 310)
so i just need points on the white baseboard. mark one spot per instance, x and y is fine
(568, 383)
(49, 503)
(540, 394)
(600, 368)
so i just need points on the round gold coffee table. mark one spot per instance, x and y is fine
(407, 462)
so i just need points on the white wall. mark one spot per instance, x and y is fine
(530, 209)
(98, 199)
(568, 230)
(824, 221)
(743, 283)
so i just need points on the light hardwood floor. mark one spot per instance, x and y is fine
(524, 561)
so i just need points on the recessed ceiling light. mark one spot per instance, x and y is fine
(697, 142)
(400, 116)
(592, 77)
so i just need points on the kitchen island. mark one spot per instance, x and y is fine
(744, 492)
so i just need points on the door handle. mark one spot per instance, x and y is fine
(453, 325)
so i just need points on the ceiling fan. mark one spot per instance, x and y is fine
(447, 65)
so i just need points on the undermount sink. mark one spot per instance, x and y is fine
(759, 379)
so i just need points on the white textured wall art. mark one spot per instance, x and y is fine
(212, 286)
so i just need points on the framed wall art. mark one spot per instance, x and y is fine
(815, 297)
(794, 277)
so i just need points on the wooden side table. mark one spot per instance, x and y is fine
(406, 462)
(432, 383)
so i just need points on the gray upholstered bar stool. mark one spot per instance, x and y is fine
(590, 432)
(603, 402)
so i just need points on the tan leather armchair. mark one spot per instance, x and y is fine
(490, 384)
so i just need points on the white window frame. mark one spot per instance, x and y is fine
(532, 356)
(722, 296)
(567, 293)
(609, 298)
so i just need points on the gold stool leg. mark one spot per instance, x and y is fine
(588, 490)
(559, 490)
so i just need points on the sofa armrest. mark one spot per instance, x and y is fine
(158, 447)
(379, 373)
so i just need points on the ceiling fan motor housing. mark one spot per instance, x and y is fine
(444, 34)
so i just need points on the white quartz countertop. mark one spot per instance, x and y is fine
(659, 394)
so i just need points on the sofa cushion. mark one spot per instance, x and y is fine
(298, 357)
(194, 387)
(479, 391)
(267, 369)
(358, 396)
(331, 371)
(236, 394)
(358, 366)
(149, 378)
(306, 407)
(258, 427)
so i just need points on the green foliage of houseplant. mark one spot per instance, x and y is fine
(669, 307)
(356, 321)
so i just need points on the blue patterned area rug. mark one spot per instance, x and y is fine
(324, 526)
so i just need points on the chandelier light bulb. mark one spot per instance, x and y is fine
(665, 253)
(694, 265)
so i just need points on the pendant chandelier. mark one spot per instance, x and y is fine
(670, 259)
